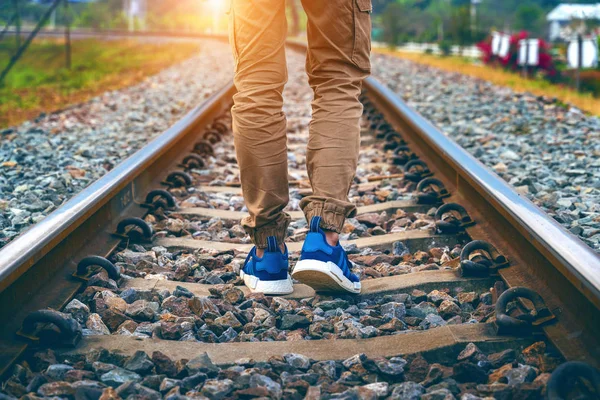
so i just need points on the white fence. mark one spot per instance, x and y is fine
(411, 47)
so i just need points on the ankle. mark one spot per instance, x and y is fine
(332, 238)
(261, 252)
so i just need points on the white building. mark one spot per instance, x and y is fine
(563, 15)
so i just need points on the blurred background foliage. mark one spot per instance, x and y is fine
(181, 15)
(446, 23)
(400, 21)
(395, 21)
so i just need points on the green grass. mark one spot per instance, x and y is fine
(40, 82)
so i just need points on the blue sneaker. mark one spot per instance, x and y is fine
(269, 274)
(322, 266)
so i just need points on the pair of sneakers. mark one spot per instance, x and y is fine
(321, 266)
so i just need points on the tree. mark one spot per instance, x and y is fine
(529, 16)
(419, 4)
(440, 11)
(404, 20)
(460, 25)
(392, 21)
(105, 14)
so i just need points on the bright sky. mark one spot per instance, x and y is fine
(217, 4)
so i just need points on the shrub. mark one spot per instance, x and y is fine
(511, 61)
(445, 47)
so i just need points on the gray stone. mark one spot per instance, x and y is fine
(141, 310)
(469, 396)
(522, 374)
(400, 249)
(388, 368)
(168, 384)
(182, 292)
(57, 371)
(436, 297)
(229, 335)
(381, 389)
(78, 310)
(332, 304)
(449, 384)
(393, 310)
(407, 391)
(327, 368)
(421, 310)
(290, 321)
(432, 321)
(441, 394)
(139, 362)
(193, 381)
(217, 389)
(357, 359)
(272, 387)
(135, 390)
(297, 361)
(95, 324)
(118, 376)
(202, 363)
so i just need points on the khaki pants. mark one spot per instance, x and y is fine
(339, 43)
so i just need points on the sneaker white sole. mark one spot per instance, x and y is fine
(284, 286)
(324, 277)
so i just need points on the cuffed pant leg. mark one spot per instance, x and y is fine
(339, 43)
(257, 31)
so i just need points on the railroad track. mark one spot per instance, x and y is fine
(462, 278)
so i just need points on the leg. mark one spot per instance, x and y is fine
(257, 31)
(338, 60)
(339, 43)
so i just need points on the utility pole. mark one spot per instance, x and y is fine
(18, 22)
(474, 4)
(52, 23)
(526, 58)
(579, 61)
(67, 34)
(130, 4)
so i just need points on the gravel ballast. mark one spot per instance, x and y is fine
(547, 152)
(230, 316)
(220, 169)
(43, 163)
(472, 374)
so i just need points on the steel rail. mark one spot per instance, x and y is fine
(577, 257)
(543, 255)
(575, 260)
(36, 268)
(35, 242)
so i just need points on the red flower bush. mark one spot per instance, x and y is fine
(486, 51)
(511, 61)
